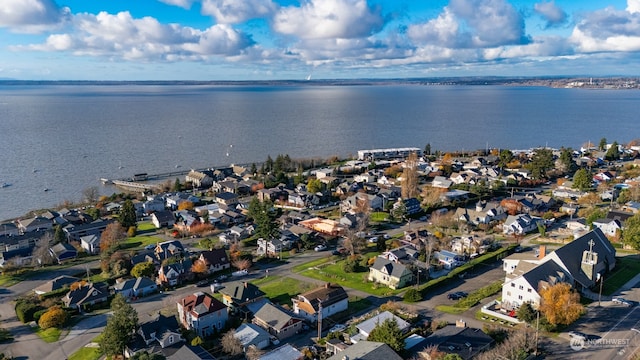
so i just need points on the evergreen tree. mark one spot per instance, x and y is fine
(389, 333)
(427, 149)
(264, 216)
(253, 169)
(59, 236)
(120, 327)
(505, 157)
(526, 313)
(177, 186)
(541, 162)
(631, 233)
(603, 144)
(127, 215)
(612, 153)
(582, 180)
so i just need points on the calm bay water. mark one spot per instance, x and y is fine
(65, 138)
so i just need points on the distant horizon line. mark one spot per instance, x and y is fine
(461, 79)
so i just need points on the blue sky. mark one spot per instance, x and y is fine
(327, 39)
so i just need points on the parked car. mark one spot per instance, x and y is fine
(457, 295)
(274, 340)
(337, 328)
(150, 246)
(622, 301)
(320, 247)
(240, 273)
(216, 286)
(202, 283)
(578, 335)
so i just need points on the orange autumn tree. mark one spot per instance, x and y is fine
(560, 304)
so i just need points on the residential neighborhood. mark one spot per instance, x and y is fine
(398, 254)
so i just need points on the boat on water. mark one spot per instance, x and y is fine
(4, 184)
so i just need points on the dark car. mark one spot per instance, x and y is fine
(202, 283)
(457, 295)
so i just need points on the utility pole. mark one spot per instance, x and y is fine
(319, 319)
(600, 292)
(535, 351)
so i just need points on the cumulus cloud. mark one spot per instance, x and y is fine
(185, 4)
(31, 15)
(551, 13)
(633, 6)
(472, 24)
(324, 19)
(608, 30)
(123, 36)
(237, 11)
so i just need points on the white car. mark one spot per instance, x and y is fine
(337, 328)
(320, 247)
(240, 273)
(622, 301)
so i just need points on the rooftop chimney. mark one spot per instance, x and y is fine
(246, 284)
(542, 251)
(461, 323)
(327, 285)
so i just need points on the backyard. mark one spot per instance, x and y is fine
(626, 268)
(280, 290)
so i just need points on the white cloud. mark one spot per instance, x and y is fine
(324, 19)
(633, 6)
(122, 36)
(185, 4)
(237, 11)
(552, 13)
(31, 15)
(608, 30)
(472, 24)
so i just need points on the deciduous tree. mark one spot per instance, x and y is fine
(185, 205)
(55, 317)
(231, 344)
(409, 184)
(41, 254)
(241, 264)
(143, 269)
(111, 237)
(199, 268)
(314, 186)
(91, 194)
(559, 304)
(631, 233)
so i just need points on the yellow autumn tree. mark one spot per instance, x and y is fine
(54, 317)
(559, 304)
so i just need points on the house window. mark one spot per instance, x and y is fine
(521, 287)
(519, 297)
(508, 293)
(529, 290)
(513, 285)
(171, 339)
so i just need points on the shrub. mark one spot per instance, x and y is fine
(38, 314)
(131, 232)
(55, 317)
(25, 310)
(412, 295)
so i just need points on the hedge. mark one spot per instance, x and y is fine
(26, 310)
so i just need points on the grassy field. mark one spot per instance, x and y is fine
(626, 268)
(311, 264)
(281, 289)
(379, 216)
(332, 272)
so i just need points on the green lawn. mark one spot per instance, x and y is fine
(626, 268)
(378, 216)
(146, 226)
(357, 304)
(281, 289)
(88, 353)
(49, 335)
(310, 264)
(139, 241)
(332, 272)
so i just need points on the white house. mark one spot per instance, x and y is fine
(330, 299)
(580, 263)
(608, 226)
(520, 224)
(91, 243)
